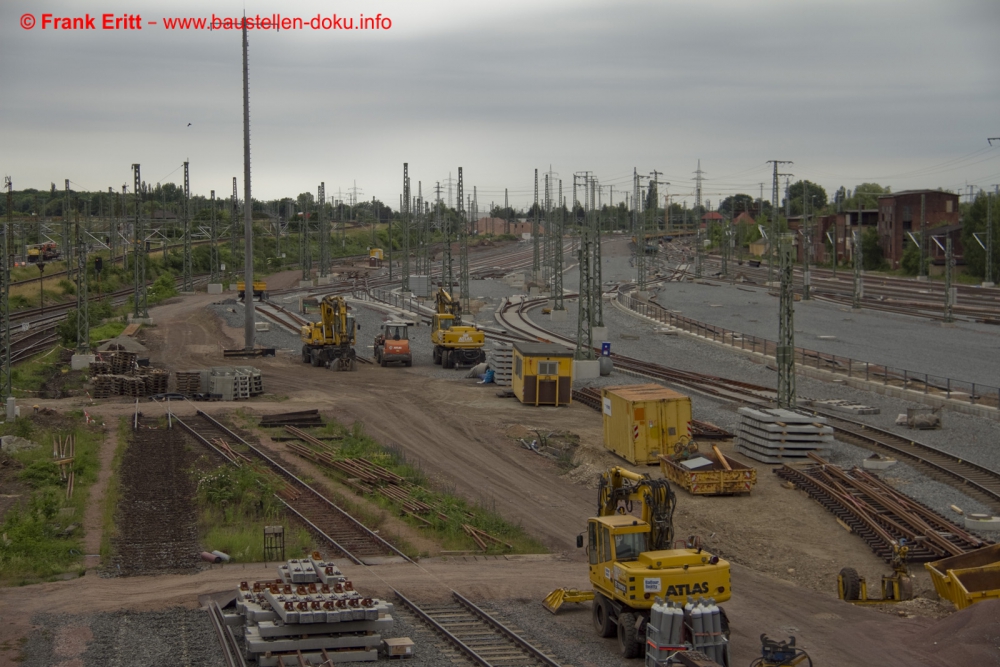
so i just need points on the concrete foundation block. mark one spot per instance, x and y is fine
(558, 315)
(141, 320)
(215, 288)
(11, 408)
(533, 291)
(642, 295)
(988, 284)
(323, 280)
(305, 283)
(262, 326)
(878, 464)
(983, 522)
(81, 361)
(586, 369)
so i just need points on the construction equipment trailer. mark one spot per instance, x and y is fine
(455, 344)
(259, 290)
(634, 562)
(330, 341)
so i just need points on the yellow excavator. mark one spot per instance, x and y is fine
(330, 341)
(634, 563)
(455, 344)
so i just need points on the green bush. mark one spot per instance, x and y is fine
(910, 263)
(67, 287)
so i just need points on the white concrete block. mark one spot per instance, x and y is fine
(305, 283)
(323, 280)
(586, 369)
(558, 315)
(262, 326)
(215, 288)
(78, 362)
(982, 522)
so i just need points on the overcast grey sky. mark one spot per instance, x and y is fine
(904, 93)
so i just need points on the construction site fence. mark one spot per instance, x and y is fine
(969, 392)
(397, 300)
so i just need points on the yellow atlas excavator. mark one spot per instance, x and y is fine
(330, 342)
(455, 344)
(634, 563)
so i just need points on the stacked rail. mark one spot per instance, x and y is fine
(879, 514)
(477, 635)
(341, 531)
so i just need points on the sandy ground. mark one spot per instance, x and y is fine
(786, 550)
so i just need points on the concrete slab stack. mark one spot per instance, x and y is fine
(502, 362)
(312, 611)
(780, 436)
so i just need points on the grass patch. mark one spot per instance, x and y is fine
(35, 540)
(234, 505)
(106, 331)
(450, 510)
(113, 493)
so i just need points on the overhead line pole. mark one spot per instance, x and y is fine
(774, 219)
(249, 328)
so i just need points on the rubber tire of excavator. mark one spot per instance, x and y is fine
(852, 583)
(437, 356)
(628, 639)
(603, 624)
(446, 360)
(306, 357)
(408, 363)
(314, 358)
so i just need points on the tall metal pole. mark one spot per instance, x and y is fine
(324, 232)
(584, 313)
(859, 286)
(807, 245)
(596, 293)
(463, 248)
(233, 226)
(406, 224)
(989, 239)
(446, 274)
(5, 358)
(82, 302)
(774, 219)
(249, 328)
(923, 235)
(949, 299)
(535, 259)
(67, 243)
(187, 280)
(785, 354)
(557, 259)
(639, 228)
(214, 253)
(140, 307)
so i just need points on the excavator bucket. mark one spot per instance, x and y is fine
(556, 598)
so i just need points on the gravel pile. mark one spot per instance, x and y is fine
(171, 637)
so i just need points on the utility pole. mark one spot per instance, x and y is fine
(324, 232)
(446, 274)
(535, 259)
(785, 354)
(859, 286)
(988, 282)
(249, 327)
(405, 223)
(506, 211)
(923, 236)
(214, 253)
(806, 245)
(949, 297)
(439, 223)
(547, 235)
(82, 302)
(774, 219)
(585, 302)
(140, 308)
(558, 308)
(639, 229)
(463, 250)
(5, 359)
(187, 280)
(697, 186)
(596, 291)
(304, 239)
(233, 225)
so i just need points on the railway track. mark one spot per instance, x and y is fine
(477, 635)
(341, 531)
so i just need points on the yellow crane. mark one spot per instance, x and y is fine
(330, 341)
(455, 344)
(633, 560)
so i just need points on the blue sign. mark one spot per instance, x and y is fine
(605, 349)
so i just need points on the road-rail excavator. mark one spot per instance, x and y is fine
(633, 561)
(330, 341)
(455, 344)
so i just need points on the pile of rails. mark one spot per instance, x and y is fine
(776, 435)
(223, 383)
(302, 419)
(367, 478)
(119, 374)
(311, 613)
(879, 514)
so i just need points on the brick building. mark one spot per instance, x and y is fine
(899, 213)
(497, 226)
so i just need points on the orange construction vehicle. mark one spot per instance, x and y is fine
(393, 344)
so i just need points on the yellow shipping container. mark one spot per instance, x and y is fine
(642, 421)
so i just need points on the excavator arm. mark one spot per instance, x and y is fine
(620, 488)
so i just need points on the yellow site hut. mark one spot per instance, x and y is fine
(543, 374)
(642, 421)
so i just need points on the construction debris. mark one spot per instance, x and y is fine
(303, 418)
(221, 383)
(122, 374)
